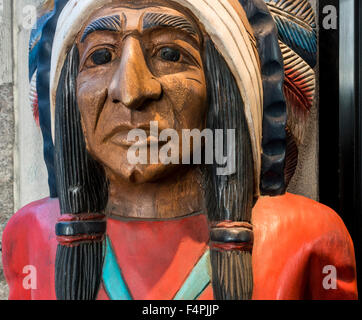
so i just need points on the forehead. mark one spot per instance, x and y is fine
(133, 14)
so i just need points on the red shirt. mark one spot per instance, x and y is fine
(295, 238)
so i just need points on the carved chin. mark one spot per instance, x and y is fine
(150, 173)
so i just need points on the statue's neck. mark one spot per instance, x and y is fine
(174, 197)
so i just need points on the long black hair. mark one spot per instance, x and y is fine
(229, 198)
(83, 193)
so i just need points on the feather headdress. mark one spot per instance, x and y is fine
(40, 45)
(295, 20)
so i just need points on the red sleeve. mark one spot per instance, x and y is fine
(332, 265)
(15, 254)
(29, 249)
(298, 245)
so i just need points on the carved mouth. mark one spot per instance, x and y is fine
(119, 136)
(123, 130)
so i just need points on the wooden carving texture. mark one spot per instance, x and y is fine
(299, 90)
(229, 198)
(43, 11)
(47, 6)
(295, 20)
(82, 188)
(33, 97)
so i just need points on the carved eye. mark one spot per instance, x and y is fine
(101, 56)
(170, 54)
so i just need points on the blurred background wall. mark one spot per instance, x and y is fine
(22, 170)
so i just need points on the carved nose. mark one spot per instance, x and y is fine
(133, 83)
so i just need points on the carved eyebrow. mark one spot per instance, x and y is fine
(110, 23)
(152, 20)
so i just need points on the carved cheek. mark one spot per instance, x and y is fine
(91, 94)
(188, 98)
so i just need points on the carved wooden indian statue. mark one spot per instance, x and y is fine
(210, 222)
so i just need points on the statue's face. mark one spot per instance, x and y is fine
(138, 64)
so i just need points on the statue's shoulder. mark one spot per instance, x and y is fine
(296, 220)
(295, 240)
(29, 240)
(37, 217)
(297, 212)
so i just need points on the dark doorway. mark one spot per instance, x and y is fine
(340, 117)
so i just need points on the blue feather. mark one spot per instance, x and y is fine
(295, 21)
(42, 58)
(301, 40)
(34, 42)
(299, 9)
